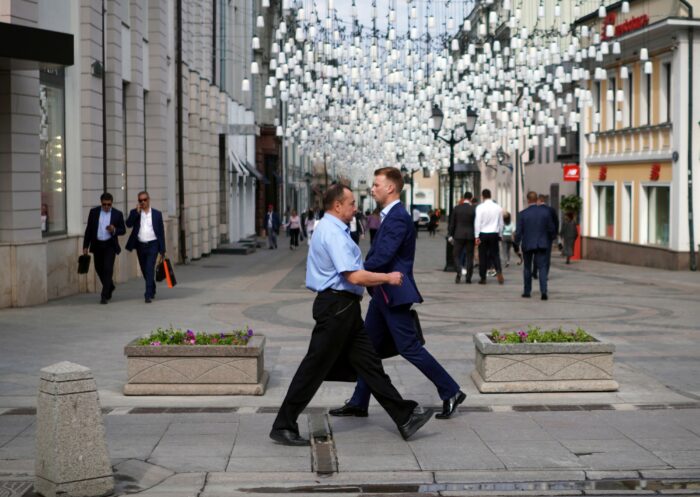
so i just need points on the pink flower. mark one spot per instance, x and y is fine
(155, 344)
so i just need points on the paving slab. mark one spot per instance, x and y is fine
(508, 476)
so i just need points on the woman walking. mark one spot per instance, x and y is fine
(294, 229)
(373, 223)
(508, 239)
(568, 234)
(310, 224)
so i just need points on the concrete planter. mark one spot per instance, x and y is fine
(196, 369)
(543, 367)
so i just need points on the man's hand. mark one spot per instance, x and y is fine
(138, 207)
(395, 278)
(110, 228)
(85, 251)
(477, 241)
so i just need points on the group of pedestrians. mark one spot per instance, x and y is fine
(104, 227)
(342, 346)
(489, 228)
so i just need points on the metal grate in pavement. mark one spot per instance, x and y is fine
(15, 488)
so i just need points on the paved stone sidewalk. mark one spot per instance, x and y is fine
(649, 429)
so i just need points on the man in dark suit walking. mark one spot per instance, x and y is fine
(461, 230)
(534, 232)
(542, 203)
(104, 227)
(148, 238)
(389, 315)
(272, 226)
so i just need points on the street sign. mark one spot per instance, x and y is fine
(572, 172)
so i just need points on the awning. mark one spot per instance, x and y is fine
(25, 47)
(254, 171)
(237, 168)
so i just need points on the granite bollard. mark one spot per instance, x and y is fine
(71, 451)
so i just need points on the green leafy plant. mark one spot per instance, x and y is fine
(175, 336)
(571, 203)
(534, 334)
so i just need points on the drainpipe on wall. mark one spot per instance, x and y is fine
(691, 227)
(104, 104)
(180, 153)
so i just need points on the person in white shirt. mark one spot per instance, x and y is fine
(488, 225)
(416, 217)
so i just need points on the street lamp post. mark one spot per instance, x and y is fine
(436, 125)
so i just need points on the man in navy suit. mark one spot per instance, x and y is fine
(148, 238)
(534, 232)
(105, 224)
(272, 226)
(542, 203)
(389, 314)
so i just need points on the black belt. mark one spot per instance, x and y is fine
(148, 243)
(342, 293)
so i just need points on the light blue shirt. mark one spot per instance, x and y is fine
(105, 219)
(385, 210)
(332, 253)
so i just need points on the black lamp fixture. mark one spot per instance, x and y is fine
(436, 120)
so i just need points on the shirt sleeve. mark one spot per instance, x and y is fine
(343, 252)
(477, 222)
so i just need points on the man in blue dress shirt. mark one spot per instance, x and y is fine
(335, 271)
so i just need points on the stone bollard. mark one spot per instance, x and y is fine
(71, 451)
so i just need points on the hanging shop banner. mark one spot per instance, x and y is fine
(572, 172)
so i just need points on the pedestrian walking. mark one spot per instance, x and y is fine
(310, 224)
(148, 238)
(508, 240)
(568, 234)
(432, 222)
(357, 229)
(105, 225)
(272, 226)
(461, 230)
(488, 225)
(534, 232)
(339, 343)
(373, 223)
(415, 214)
(542, 203)
(389, 314)
(294, 229)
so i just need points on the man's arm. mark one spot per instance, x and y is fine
(87, 238)
(368, 278)
(519, 229)
(120, 229)
(452, 224)
(477, 223)
(131, 220)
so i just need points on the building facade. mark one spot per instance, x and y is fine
(641, 134)
(146, 102)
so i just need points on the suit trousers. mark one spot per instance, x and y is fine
(271, 239)
(461, 246)
(395, 323)
(539, 258)
(104, 256)
(147, 254)
(339, 330)
(488, 253)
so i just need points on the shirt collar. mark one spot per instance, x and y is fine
(385, 210)
(337, 222)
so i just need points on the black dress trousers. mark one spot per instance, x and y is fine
(339, 331)
(104, 265)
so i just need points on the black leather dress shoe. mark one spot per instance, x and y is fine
(103, 300)
(525, 295)
(288, 437)
(458, 278)
(449, 406)
(418, 418)
(544, 296)
(147, 300)
(349, 410)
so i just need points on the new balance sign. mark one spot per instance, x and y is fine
(572, 172)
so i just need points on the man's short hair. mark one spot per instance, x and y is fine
(143, 192)
(542, 197)
(485, 193)
(392, 174)
(335, 193)
(532, 197)
(107, 196)
(468, 195)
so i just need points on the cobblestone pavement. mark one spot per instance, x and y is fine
(643, 438)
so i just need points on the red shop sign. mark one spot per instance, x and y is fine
(572, 172)
(603, 173)
(655, 172)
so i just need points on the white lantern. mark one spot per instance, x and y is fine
(245, 85)
(602, 13)
(254, 69)
(260, 22)
(624, 72)
(256, 43)
(625, 7)
(648, 67)
(643, 54)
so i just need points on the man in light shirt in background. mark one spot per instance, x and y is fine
(148, 238)
(487, 231)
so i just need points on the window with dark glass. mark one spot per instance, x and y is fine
(52, 150)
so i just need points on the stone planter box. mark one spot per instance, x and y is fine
(196, 369)
(543, 367)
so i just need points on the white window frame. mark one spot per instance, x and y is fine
(666, 93)
(628, 104)
(627, 232)
(644, 212)
(610, 106)
(645, 99)
(595, 208)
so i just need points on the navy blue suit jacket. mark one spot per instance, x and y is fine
(275, 221)
(134, 220)
(535, 228)
(394, 249)
(93, 223)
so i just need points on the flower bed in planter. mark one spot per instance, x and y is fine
(510, 366)
(200, 364)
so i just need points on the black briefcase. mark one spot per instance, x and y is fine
(388, 347)
(83, 264)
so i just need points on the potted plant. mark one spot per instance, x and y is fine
(536, 360)
(171, 361)
(572, 204)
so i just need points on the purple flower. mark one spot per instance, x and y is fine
(222, 335)
(250, 332)
(155, 344)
